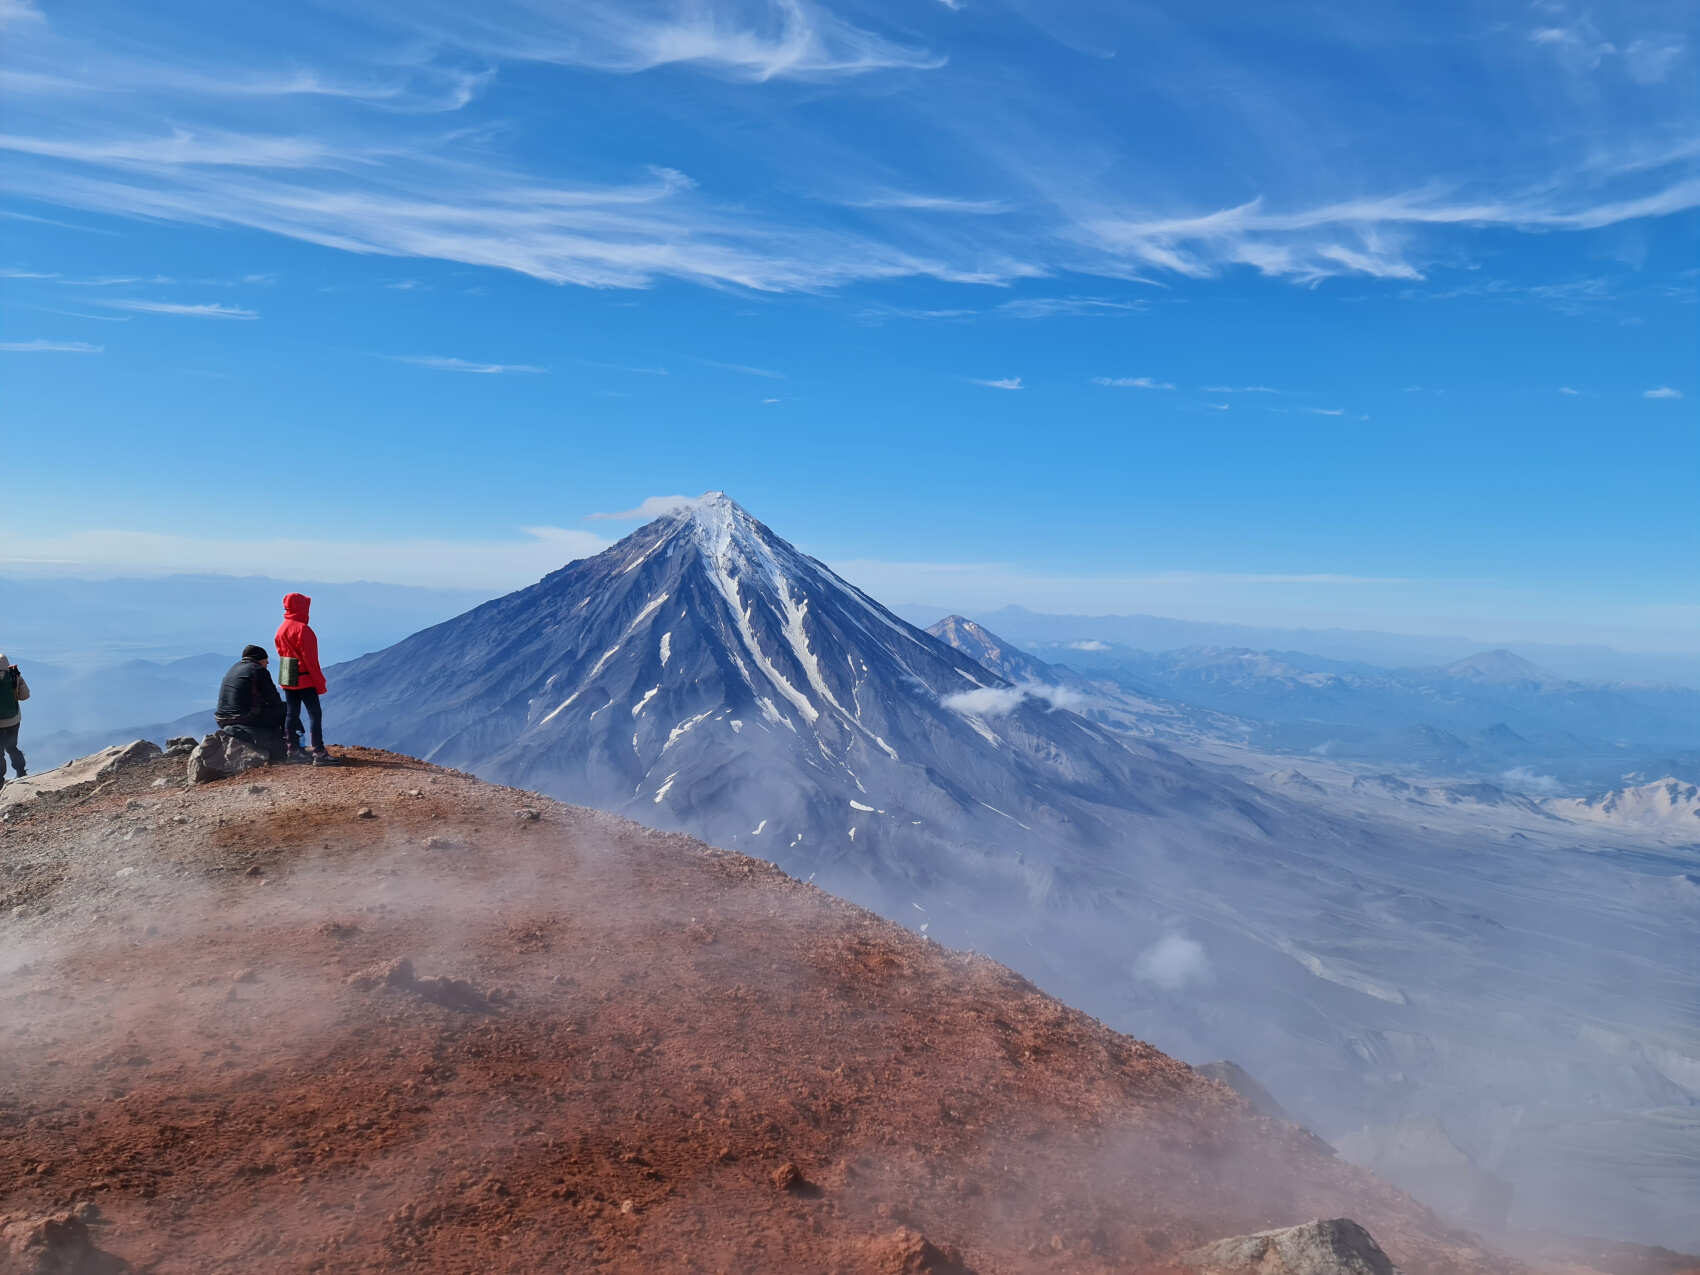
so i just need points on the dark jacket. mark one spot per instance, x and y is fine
(247, 697)
(296, 640)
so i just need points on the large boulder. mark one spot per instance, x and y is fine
(219, 756)
(1338, 1246)
(77, 777)
(60, 1244)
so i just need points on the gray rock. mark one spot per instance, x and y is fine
(1338, 1246)
(75, 778)
(219, 756)
(180, 744)
(59, 1244)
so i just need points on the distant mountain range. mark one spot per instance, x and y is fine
(1580, 662)
(1492, 713)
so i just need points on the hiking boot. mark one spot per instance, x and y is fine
(323, 758)
(297, 757)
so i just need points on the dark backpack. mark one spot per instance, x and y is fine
(8, 694)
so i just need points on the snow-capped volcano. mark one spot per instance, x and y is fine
(704, 674)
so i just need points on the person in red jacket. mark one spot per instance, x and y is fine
(302, 678)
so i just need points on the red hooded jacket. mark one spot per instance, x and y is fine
(295, 639)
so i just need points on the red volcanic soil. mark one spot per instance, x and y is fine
(612, 1050)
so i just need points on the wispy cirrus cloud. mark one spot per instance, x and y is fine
(1065, 307)
(1132, 383)
(15, 11)
(912, 202)
(448, 363)
(759, 41)
(183, 310)
(51, 347)
(1056, 188)
(999, 383)
(1324, 411)
(1569, 391)
(1663, 391)
(1248, 389)
(742, 369)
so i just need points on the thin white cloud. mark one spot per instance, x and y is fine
(25, 274)
(1065, 307)
(1663, 391)
(742, 369)
(769, 402)
(910, 201)
(1220, 407)
(759, 41)
(444, 363)
(18, 11)
(1569, 391)
(649, 508)
(184, 311)
(51, 347)
(1132, 383)
(1326, 411)
(1001, 383)
(1247, 389)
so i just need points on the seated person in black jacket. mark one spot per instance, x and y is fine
(249, 707)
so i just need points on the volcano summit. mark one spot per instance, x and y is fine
(704, 674)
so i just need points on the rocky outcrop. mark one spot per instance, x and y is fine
(1338, 1246)
(60, 1244)
(77, 778)
(219, 756)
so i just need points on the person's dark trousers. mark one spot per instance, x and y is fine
(9, 745)
(310, 699)
(270, 742)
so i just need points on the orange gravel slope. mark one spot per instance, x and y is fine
(390, 1018)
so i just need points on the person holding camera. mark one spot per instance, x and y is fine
(13, 691)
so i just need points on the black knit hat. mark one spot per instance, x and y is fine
(255, 653)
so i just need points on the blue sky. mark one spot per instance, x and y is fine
(1370, 315)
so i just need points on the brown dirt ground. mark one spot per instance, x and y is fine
(617, 1050)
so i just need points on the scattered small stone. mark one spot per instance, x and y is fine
(396, 973)
(365, 812)
(158, 783)
(132, 804)
(527, 815)
(254, 870)
(248, 974)
(339, 929)
(415, 792)
(628, 1207)
(907, 1250)
(124, 872)
(179, 819)
(788, 1177)
(256, 789)
(441, 843)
